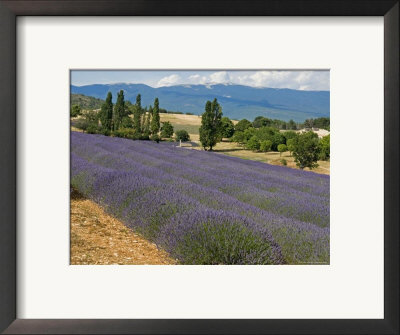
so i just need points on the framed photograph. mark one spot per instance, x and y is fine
(199, 167)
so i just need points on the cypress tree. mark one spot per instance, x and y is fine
(137, 115)
(155, 120)
(146, 126)
(106, 113)
(119, 110)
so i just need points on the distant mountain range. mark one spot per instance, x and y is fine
(237, 101)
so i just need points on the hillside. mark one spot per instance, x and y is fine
(238, 101)
(188, 202)
(86, 102)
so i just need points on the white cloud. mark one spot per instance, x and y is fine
(170, 80)
(220, 77)
(194, 77)
(298, 80)
(197, 79)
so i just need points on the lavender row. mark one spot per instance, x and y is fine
(180, 197)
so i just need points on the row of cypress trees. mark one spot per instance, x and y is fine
(146, 121)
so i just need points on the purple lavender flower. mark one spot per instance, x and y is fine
(203, 207)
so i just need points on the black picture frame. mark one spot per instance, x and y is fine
(9, 10)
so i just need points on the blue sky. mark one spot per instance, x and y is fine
(299, 80)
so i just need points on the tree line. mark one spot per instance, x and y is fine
(264, 135)
(261, 121)
(126, 120)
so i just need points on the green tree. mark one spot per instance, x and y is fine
(182, 135)
(238, 137)
(277, 138)
(167, 130)
(292, 125)
(75, 110)
(289, 134)
(119, 110)
(227, 127)
(325, 148)
(126, 122)
(306, 150)
(309, 123)
(106, 114)
(89, 122)
(282, 148)
(242, 125)
(210, 125)
(137, 114)
(155, 119)
(290, 145)
(265, 145)
(322, 122)
(253, 144)
(249, 133)
(261, 121)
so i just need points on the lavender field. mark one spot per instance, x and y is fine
(203, 207)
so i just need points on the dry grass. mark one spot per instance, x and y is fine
(274, 158)
(76, 129)
(193, 120)
(99, 239)
(190, 123)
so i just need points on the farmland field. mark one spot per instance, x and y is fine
(270, 157)
(203, 207)
(190, 123)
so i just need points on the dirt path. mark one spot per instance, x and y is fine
(98, 238)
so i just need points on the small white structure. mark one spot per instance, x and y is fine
(320, 132)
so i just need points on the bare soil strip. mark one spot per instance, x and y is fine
(98, 239)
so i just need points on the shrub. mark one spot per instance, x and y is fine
(82, 124)
(75, 110)
(238, 137)
(284, 161)
(126, 133)
(290, 145)
(155, 138)
(104, 132)
(265, 146)
(92, 129)
(325, 148)
(167, 130)
(182, 135)
(282, 148)
(253, 144)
